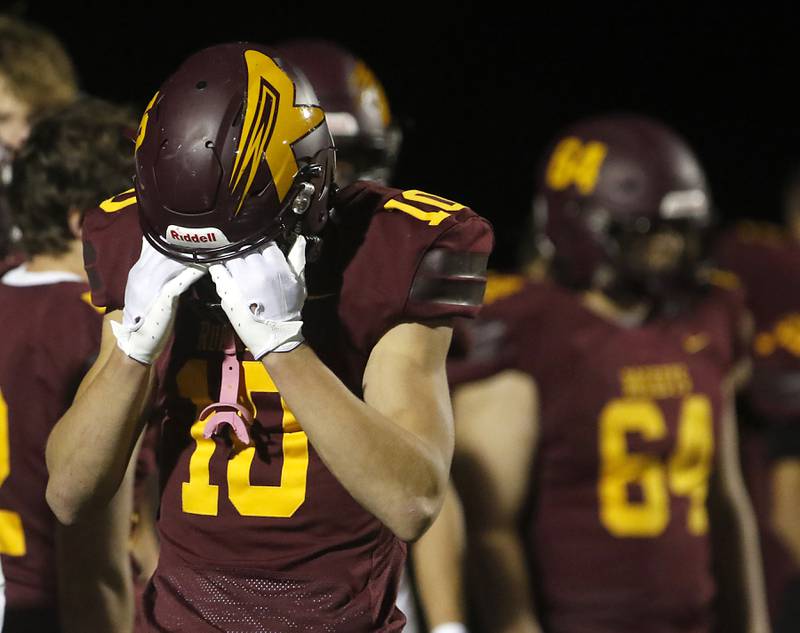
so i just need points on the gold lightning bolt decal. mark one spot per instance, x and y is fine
(272, 123)
(143, 124)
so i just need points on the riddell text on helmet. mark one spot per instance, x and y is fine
(207, 237)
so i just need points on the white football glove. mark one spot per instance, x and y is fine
(263, 294)
(151, 298)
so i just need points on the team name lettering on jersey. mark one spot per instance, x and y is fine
(671, 380)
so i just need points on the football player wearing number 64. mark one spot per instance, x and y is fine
(616, 468)
(292, 337)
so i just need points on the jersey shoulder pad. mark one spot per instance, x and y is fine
(726, 298)
(744, 245)
(724, 279)
(761, 233)
(501, 285)
(112, 242)
(422, 257)
(507, 329)
(70, 327)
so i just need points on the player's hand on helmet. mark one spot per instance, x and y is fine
(263, 294)
(151, 299)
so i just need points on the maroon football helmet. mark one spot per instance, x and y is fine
(606, 182)
(367, 139)
(232, 151)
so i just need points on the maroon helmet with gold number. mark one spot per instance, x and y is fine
(232, 151)
(367, 138)
(606, 182)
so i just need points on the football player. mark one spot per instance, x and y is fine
(766, 257)
(36, 78)
(58, 578)
(596, 445)
(306, 418)
(366, 134)
(367, 139)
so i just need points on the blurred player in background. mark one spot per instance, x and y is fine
(367, 139)
(356, 107)
(596, 451)
(36, 77)
(766, 257)
(306, 423)
(58, 578)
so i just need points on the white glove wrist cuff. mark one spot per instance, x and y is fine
(289, 345)
(125, 343)
(280, 337)
(450, 627)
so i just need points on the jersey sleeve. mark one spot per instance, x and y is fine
(745, 248)
(730, 295)
(73, 339)
(112, 243)
(422, 258)
(485, 346)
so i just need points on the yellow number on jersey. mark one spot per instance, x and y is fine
(690, 464)
(574, 163)
(620, 468)
(433, 218)
(686, 473)
(112, 205)
(200, 496)
(12, 537)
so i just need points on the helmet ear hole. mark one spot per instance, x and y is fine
(303, 199)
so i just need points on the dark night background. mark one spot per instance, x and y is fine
(482, 87)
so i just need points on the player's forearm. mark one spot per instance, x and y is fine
(737, 569)
(438, 559)
(389, 470)
(90, 446)
(97, 596)
(499, 581)
(788, 533)
(785, 510)
(95, 586)
(144, 543)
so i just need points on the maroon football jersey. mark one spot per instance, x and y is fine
(768, 263)
(617, 525)
(50, 336)
(263, 537)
